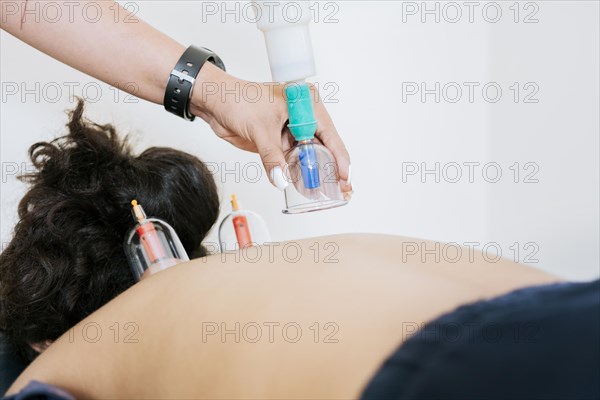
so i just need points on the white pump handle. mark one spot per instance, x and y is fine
(285, 26)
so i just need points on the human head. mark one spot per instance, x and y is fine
(66, 257)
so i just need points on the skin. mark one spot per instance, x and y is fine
(373, 291)
(104, 49)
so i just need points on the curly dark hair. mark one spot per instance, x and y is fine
(66, 257)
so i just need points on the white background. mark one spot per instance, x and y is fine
(367, 53)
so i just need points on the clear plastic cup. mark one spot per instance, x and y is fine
(313, 179)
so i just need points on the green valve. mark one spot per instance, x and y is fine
(300, 110)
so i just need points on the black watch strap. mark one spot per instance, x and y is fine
(182, 79)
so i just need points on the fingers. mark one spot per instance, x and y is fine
(287, 140)
(242, 143)
(232, 137)
(327, 133)
(272, 157)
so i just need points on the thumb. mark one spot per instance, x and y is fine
(273, 160)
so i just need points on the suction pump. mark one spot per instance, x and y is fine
(312, 171)
(312, 174)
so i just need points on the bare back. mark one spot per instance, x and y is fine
(313, 318)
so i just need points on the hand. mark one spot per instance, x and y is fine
(253, 116)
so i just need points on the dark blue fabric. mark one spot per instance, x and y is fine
(535, 343)
(10, 365)
(40, 391)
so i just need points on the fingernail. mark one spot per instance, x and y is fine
(348, 195)
(278, 178)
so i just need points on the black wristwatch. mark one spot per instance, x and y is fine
(182, 79)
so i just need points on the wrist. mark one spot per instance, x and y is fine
(182, 81)
(207, 90)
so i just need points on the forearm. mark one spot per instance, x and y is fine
(111, 45)
(118, 48)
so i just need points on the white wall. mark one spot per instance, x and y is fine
(372, 55)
